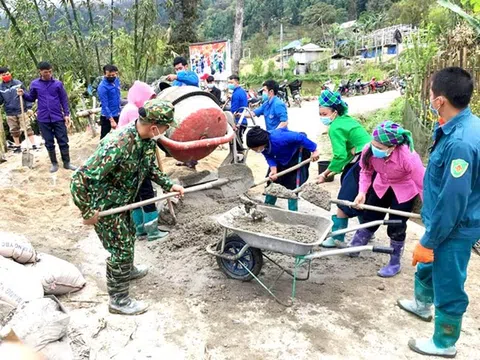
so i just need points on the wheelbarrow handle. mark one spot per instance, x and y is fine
(136, 205)
(377, 208)
(197, 144)
(383, 249)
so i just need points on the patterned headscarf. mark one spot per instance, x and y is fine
(158, 112)
(389, 133)
(329, 98)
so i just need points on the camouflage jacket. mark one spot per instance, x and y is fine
(112, 176)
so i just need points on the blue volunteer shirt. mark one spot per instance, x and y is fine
(284, 144)
(186, 77)
(451, 185)
(239, 101)
(110, 97)
(274, 111)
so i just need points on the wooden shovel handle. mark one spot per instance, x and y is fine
(378, 209)
(284, 172)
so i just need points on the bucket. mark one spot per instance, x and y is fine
(322, 166)
(202, 125)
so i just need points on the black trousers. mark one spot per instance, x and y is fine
(389, 200)
(290, 180)
(144, 193)
(54, 130)
(105, 125)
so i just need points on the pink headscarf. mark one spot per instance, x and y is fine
(137, 95)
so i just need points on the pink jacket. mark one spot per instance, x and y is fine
(137, 95)
(403, 171)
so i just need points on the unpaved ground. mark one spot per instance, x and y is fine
(344, 311)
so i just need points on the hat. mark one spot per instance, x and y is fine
(256, 137)
(330, 98)
(389, 133)
(157, 112)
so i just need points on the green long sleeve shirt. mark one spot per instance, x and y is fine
(348, 137)
(112, 176)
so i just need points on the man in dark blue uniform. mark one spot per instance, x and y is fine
(451, 214)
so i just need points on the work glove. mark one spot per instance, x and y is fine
(422, 255)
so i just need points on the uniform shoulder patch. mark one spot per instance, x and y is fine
(458, 167)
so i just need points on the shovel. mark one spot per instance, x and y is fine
(378, 209)
(27, 156)
(234, 180)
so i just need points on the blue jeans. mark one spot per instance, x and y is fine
(54, 130)
(447, 274)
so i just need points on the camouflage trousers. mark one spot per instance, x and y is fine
(117, 234)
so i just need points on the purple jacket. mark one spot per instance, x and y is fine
(52, 99)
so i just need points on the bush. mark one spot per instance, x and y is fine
(257, 66)
(393, 113)
(270, 69)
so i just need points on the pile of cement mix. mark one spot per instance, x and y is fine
(314, 194)
(267, 226)
(280, 191)
(196, 220)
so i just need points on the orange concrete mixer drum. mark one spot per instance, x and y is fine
(202, 125)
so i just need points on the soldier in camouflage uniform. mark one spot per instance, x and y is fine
(111, 178)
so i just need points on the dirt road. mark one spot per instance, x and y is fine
(344, 311)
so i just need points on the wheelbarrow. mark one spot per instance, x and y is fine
(240, 253)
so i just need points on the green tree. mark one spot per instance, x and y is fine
(412, 12)
(319, 14)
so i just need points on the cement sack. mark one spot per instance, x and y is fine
(5, 311)
(16, 247)
(58, 350)
(58, 276)
(39, 322)
(17, 283)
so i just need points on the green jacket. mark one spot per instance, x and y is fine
(346, 134)
(112, 176)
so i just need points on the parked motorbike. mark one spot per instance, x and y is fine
(255, 99)
(346, 89)
(377, 86)
(361, 88)
(283, 93)
(295, 87)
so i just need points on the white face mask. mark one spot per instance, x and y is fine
(156, 137)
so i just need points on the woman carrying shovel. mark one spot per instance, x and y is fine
(283, 149)
(398, 181)
(348, 138)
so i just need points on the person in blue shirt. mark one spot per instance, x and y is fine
(273, 109)
(283, 149)
(238, 102)
(183, 76)
(110, 97)
(451, 214)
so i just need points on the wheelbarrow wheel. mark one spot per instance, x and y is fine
(252, 259)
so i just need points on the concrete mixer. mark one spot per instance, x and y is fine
(202, 125)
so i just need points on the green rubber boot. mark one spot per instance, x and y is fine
(421, 305)
(137, 216)
(338, 224)
(293, 204)
(151, 227)
(270, 200)
(447, 332)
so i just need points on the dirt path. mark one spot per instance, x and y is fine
(344, 311)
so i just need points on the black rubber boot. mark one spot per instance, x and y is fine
(66, 160)
(118, 284)
(53, 160)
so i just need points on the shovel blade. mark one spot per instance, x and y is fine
(27, 159)
(240, 179)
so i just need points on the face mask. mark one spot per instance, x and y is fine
(325, 120)
(381, 154)
(7, 78)
(264, 97)
(110, 79)
(210, 86)
(259, 151)
(156, 137)
(231, 87)
(433, 110)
